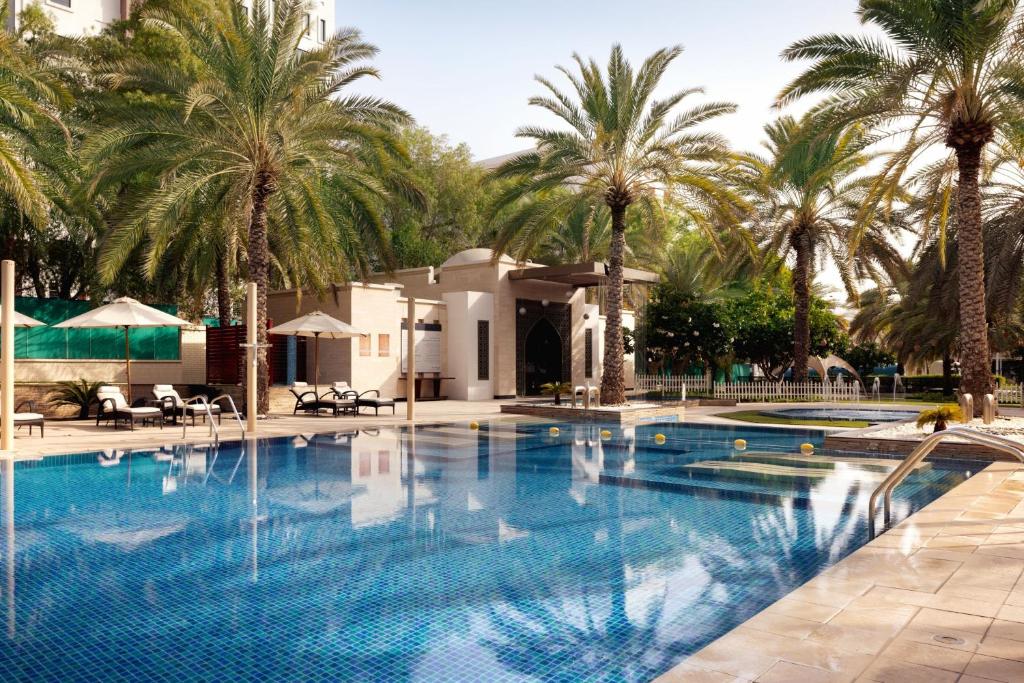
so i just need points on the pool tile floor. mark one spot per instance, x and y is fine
(938, 598)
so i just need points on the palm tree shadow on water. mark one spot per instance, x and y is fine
(599, 621)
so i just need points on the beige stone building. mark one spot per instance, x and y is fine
(486, 328)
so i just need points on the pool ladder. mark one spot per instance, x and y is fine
(214, 430)
(922, 451)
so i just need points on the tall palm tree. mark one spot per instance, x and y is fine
(31, 96)
(944, 72)
(622, 149)
(812, 189)
(266, 127)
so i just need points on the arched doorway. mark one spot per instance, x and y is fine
(543, 356)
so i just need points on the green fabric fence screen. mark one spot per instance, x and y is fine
(101, 343)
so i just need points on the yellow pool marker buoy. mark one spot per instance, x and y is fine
(606, 433)
(659, 438)
(807, 448)
(553, 431)
(474, 425)
(740, 444)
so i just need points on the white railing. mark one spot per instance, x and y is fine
(764, 390)
(676, 384)
(789, 391)
(1010, 395)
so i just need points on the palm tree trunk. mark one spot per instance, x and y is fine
(947, 373)
(259, 272)
(975, 361)
(801, 303)
(613, 381)
(223, 293)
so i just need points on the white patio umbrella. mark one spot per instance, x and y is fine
(22, 320)
(126, 313)
(317, 324)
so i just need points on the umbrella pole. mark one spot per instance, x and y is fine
(316, 364)
(128, 363)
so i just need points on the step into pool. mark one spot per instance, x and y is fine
(507, 553)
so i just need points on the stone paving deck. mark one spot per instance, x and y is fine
(938, 598)
(71, 436)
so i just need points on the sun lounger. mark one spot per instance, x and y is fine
(307, 400)
(173, 405)
(373, 399)
(114, 406)
(29, 418)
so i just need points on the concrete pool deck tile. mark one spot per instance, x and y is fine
(1011, 613)
(780, 624)
(885, 670)
(829, 597)
(803, 610)
(1008, 630)
(996, 669)
(938, 619)
(786, 672)
(934, 656)
(951, 638)
(866, 641)
(1003, 648)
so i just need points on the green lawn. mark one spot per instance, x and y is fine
(758, 417)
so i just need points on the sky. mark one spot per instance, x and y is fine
(465, 68)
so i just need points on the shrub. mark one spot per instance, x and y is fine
(938, 415)
(556, 389)
(80, 393)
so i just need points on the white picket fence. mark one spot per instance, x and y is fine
(1010, 395)
(678, 384)
(789, 391)
(749, 391)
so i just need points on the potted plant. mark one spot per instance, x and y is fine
(556, 389)
(939, 415)
(81, 393)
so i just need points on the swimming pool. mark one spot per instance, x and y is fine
(872, 415)
(503, 554)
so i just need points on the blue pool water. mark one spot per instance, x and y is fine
(873, 415)
(504, 554)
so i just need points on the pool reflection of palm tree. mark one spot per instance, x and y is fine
(576, 618)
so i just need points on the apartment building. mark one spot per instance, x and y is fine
(88, 17)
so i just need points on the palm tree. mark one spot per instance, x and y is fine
(621, 150)
(944, 72)
(267, 129)
(31, 96)
(812, 196)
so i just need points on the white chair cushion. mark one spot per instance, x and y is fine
(142, 410)
(162, 390)
(28, 416)
(114, 394)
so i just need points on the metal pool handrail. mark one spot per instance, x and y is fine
(199, 400)
(234, 410)
(922, 451)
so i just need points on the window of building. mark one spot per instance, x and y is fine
(364, 345)
(588, 352)
(323, 30)
(61, 3)
(383, 345)
(309, 25)
(483, 349)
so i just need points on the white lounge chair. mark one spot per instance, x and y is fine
(29, 418)
(173, 405)
(307, 400)
(114, 406)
